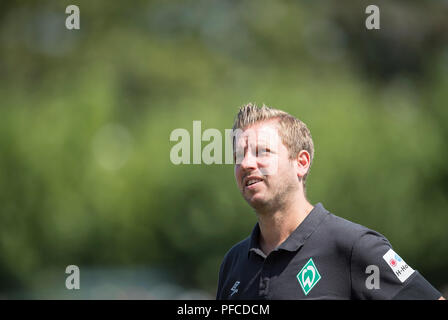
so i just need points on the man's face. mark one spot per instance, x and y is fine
(263, 171)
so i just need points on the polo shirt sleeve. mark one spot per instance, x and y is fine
(378, 272)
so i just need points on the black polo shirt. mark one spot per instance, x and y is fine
(326, 257)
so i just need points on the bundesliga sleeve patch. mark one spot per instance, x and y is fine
(398, 266)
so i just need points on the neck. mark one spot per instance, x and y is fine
(277, 225)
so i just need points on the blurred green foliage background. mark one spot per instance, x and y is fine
(86, 116)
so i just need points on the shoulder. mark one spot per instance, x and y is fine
(236, 252)
(349, 233)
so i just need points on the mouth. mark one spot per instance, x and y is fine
(252, 182)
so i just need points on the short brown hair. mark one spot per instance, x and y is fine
(294, 133)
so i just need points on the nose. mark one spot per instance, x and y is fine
(249, 161)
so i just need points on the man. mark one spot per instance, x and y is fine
(297, 250)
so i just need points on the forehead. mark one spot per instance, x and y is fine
(260, 132)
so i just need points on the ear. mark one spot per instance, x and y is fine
(303, 161)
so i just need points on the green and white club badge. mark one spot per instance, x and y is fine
(308, 276)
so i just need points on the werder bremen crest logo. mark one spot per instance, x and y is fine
(308, 276)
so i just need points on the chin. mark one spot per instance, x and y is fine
(257, 202)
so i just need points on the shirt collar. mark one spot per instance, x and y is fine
(298, 237)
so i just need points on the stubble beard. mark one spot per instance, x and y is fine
(277, 198)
